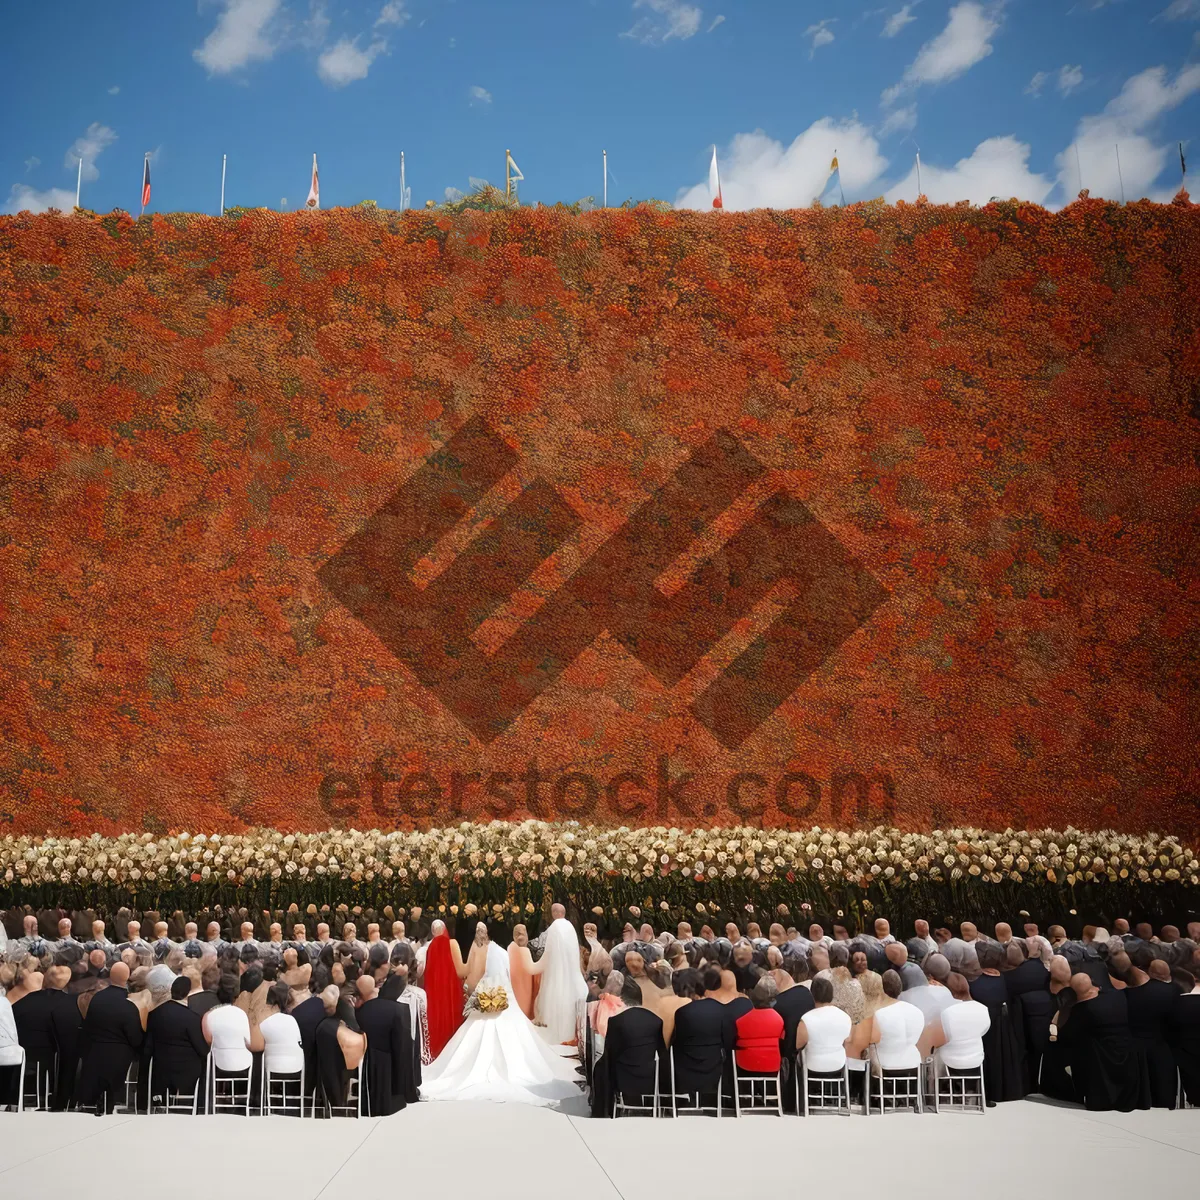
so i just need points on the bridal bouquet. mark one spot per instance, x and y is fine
(489, 997)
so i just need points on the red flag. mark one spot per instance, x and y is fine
(146, 182)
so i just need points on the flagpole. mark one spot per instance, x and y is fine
(1182, 168)
(79, 177)
(606, 173)
(223, 157)
(401, 180)
(1078, 166)
(507, 175)
(144, 161)
(841, 190)
(1120, 177)
(918, 172)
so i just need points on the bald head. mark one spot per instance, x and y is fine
(329, 999)
(58, 978)
(896, 954)
(366, 987)
(1158, 969)
(1003, 931)
(969, 932)
(119, 975)
(937, 966)
(1082, 986)
(557, 912)
(97, 959)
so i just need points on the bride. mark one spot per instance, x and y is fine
(499, 1056)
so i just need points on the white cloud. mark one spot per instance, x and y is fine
(479, 95)
(1037, 83)
(345, 61)
(667, 19)
(32, 162)
(393, 13)
(315, 27)
(1127, 121)
(1181, 10)
(996, 167)
(114, 90)
(820, 33)
(897, 21)
(89, 147)
(23, 198)
(759, 172)
(965, 41)
(717, 20)
(245, 32)
(899, 120)
(1069, 78)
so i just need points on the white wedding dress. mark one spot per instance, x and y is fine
(499, 1056)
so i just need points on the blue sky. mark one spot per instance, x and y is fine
(1003, 97)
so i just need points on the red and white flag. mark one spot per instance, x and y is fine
(714, 181)
(145, 182)
(314, 188)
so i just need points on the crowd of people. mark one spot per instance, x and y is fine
(1107, 1020)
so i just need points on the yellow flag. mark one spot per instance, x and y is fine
(833, 166)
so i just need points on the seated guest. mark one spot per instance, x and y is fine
(283, 1047)
(1027, 983)
(33, 1012)
(1100, 1047)
(823, 1032)
(66, 1022)
(910, 974)
(742, 967)
(958, 1030)
(896, 1028)
(175, 1044)
(227, 1030)
(390, 1085)
(686, 985)
(1006, 1074)
(847, 991)
(341, 1047)
(10, 1055)
(110, 1040)
(704, 1036)
(204, 997)
(308, 1014)
(633, 1046)
(1183, 1034)
(607, 1004)
(757, 1033)
(935, 996)
(1151, 1005)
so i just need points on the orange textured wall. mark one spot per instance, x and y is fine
(816, 517)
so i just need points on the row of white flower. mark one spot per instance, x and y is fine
(538, 850)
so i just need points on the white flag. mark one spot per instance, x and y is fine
(314, 188)
(516, 171)
(714, 181)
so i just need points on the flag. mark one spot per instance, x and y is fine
(145, 181)
(1182, 162)
(516, 171)
(834, 169)
(314, 188)
(833, 166)
(714, 181)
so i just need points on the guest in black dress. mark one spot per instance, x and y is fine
(1028, 983)
(1101, 1048)
(1151, 1004)
(1183, 1034)
(1058, 1078)
(1004, 1069)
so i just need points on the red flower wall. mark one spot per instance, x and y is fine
(995, 412)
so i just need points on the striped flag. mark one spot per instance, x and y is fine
(145, 182)
(314, 188)
(714, 182)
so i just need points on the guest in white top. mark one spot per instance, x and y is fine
(283, 1053)
(961, 1028)
(896, 1026)
(823, 1031)
(227, 1029)
(936, 998)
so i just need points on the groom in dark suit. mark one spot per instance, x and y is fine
(389, 1050)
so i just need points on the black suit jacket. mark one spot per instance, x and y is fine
(393, 987)
(704, 1036)
(201, 1002)
(309, 1014)
(110, 1040)
(632, 1045)
(791, 1006)
(175, 1044)
(67, 1022)
(389, 1055)
(34, 1015)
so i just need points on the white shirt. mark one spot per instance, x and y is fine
(900, 1025)
(230, 1030)
(964, 1023)
(828, 1028)
(10, 1047)
(931, 999)
(283, 1052)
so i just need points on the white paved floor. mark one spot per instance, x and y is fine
(496, 1151)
